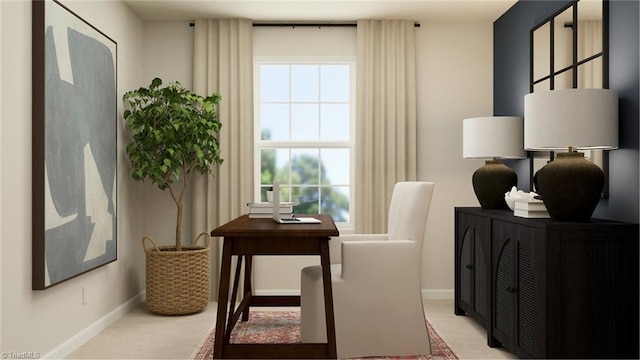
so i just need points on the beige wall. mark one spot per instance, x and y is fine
(54, 321)
(455, 80)
(167, 54)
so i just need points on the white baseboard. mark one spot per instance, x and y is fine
(276, 292)
(430, 294)
(73, 343)
(437, 294)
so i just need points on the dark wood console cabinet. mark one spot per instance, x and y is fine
(549, 289)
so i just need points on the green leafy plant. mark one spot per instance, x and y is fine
(174, 133)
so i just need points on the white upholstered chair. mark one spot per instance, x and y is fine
(377, 296)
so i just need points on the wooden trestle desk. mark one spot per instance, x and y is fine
(245, 237)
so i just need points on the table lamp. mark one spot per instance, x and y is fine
(495, 138)
(570, 119)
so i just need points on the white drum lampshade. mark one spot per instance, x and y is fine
(580, 118)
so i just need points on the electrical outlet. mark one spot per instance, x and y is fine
(84, 296)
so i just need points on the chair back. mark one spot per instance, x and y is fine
(408, 211)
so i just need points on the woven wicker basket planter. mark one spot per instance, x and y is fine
(177, 281)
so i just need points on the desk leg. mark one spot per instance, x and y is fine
(223, 298)
(234, 298)
(328, 298)
(247, 284)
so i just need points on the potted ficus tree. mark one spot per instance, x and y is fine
(174, 133)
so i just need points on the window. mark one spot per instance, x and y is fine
(304, 136)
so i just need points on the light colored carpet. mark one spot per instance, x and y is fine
(142, 335)
(463, 334)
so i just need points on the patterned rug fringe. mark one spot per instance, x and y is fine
(273, 327)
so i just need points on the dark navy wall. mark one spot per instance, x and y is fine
(511, 63)
(624, 75)
(511, 83)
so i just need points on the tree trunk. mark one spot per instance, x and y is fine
(179, 228)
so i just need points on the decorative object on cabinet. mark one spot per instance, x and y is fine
(549, 289)
(174, 134)
(516, 195)
(531, 209)
(74, 145)
(571, 186)
(494, 137)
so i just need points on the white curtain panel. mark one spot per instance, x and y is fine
(386, 117)
(223, 63)
(590, 43)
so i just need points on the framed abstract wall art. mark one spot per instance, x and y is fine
(74, 145)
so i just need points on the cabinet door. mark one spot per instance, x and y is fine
(472, 266)
(504, 284)
(593, 289)
(481, 257)
(518, 323)
(466, 267)
(530, 293)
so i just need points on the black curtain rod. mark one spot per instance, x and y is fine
(304, 24)
(319, 25)
(312, 24)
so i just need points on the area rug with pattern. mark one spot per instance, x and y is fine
(282, 327)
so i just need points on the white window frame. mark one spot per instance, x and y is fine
(259, 144)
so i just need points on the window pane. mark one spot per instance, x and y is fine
(307, 199)
(563, 40)
(304, 83)
(336, 165)
(334, 122)
(304, 117)
(542, 86)
(563, 80)
(335, 83)
(285, 193)
(274, 121)
(590, 74)
(335, 202)
(263, 193)
(589, 29)
(274, 83)
(274, 165)
(541, 52)
(305, 122)
(304, 166)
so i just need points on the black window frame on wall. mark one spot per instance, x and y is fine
(573, 67)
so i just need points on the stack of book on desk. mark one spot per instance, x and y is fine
(530, 209)
(265, 210)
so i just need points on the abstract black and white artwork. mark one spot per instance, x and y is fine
(74, 145)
